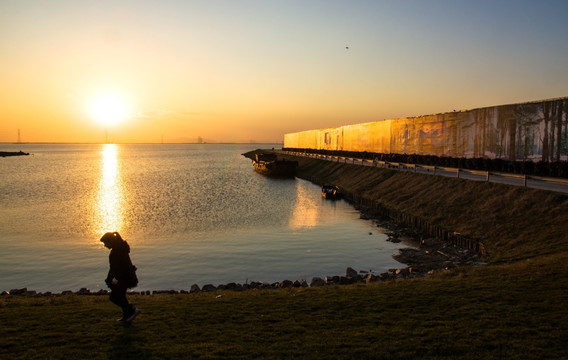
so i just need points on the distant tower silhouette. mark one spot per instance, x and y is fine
(19, 137)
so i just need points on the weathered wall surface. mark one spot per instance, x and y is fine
(529, 131)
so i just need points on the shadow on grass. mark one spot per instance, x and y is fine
(126, 345)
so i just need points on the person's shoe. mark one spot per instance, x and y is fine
(132, 315)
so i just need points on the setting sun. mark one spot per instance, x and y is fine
(165, 72)
(108, 109)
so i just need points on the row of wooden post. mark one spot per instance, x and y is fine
(420, 224)
(423, 226)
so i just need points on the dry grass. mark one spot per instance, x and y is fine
(512, 311)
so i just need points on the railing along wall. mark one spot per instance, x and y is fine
(435, 170)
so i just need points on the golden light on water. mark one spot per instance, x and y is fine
(110, 205)
(306, 212)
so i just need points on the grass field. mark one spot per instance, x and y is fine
(514, 311)
(514, 308)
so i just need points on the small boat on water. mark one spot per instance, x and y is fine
(330, 192)
(268, 164)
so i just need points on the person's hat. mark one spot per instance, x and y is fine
(111, 238)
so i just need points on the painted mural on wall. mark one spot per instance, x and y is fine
(529, 131)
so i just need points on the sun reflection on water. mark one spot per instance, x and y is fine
(110, 209)
(306, 211)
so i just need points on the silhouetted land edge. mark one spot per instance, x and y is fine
(13, 153)
(514, 308)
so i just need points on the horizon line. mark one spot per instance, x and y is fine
(140, 143)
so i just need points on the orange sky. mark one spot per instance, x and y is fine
(254, 70)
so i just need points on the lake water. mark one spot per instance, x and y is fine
(191, 214)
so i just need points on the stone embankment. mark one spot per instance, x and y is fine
(445, 258)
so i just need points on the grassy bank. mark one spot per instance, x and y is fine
(511, 311)
(506, 310)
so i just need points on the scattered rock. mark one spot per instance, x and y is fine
(194, 288)
(393, 240)
(21, 291)
(156, 292)
(331, 279)
(428, 242)
(233, 286)
(434, 255)
(316, 281)
(208, 287)
(350, 272)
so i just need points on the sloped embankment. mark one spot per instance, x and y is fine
(512, 222)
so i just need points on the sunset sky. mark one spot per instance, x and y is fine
(240, 71)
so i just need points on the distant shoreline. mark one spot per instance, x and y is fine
(13, 153)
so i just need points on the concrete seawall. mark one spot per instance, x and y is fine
(535, 131)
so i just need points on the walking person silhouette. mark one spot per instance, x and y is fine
(121, 275)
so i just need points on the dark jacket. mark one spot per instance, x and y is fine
(121, 267)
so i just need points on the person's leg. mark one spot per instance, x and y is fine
(118, 297)
(132, 313)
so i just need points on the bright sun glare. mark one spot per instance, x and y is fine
(108, 109)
